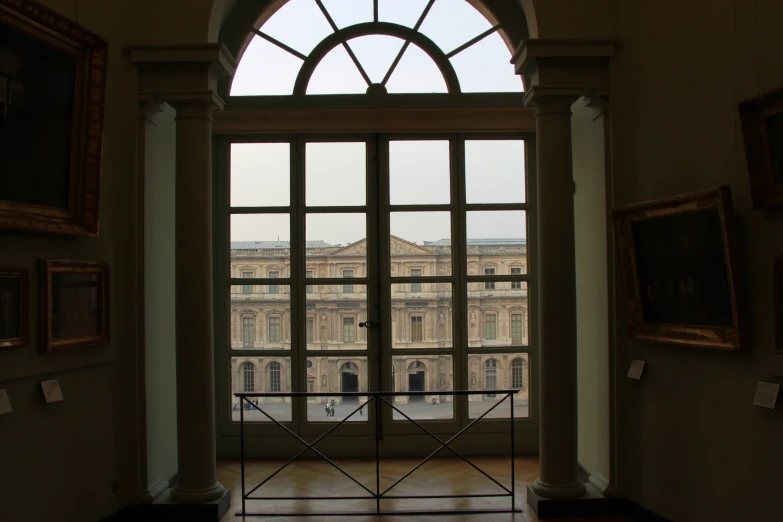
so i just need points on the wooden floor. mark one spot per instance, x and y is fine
(437, 477)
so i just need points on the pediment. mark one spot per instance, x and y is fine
(399, 247)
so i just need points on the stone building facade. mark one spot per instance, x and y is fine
(422, 317)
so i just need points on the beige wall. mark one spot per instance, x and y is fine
(592, 306)
(695, 447)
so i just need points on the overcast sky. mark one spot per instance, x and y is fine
(335, 172)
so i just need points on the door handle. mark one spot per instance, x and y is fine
(366, 324)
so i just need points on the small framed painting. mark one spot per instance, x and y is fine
(74, 308)
(13, 307)
(762, 130)
(678, 261)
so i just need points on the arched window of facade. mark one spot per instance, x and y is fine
(491, 375)
(274, 376)
(249, 377)
(518, 374)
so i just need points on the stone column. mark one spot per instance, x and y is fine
(556, 300)
(193, 304)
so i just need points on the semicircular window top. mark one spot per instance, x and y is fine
(375, 46)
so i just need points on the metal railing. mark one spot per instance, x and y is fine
(377, 494)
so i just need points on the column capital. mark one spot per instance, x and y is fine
(564, 68)
(182, 74)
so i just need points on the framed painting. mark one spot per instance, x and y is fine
(678, 262)
(762, 131)
(13, 307)
(778, 304)
(52, 92)
(74, 304)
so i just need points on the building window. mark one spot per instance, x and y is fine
(417, 328)
(490, 326)
(491, 374)
(248, 331)
(348, 289)
(518, 374)
(349, 333)
(249, 377)
(516, 328)
(274, 289)
(516, 285)
(310, 333)
(247, 289)
(415, 272)
(274, 376)
(309, 275)
(489, 285)
(310, 385)
(274, 329)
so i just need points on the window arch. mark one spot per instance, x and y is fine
(518, 374)
(273, 376)
(248, 377)
(331, 47)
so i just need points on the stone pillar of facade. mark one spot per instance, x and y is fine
(556, 73)
(186, 78)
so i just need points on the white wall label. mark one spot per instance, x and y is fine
(766, 394)
(5, 402)
(636, 369)
(51, 390)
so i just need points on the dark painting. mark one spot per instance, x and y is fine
(774, 124)
(35, 124)
(683, 276)
(75, 305)
(10, 288)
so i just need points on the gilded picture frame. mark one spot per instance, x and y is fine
(14, 310)
(52, 103)
(679, 269)
(74, 304)
(762, 130)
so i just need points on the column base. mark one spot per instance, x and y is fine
(575, 490)
(167, 509)
(589, 504)
(197, 496)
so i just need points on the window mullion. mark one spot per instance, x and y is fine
(459, 272)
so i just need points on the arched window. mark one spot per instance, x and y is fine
(491, 381)
(274, 376)
(249, 377)
(518, 374)
(413, 46)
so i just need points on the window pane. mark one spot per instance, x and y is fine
(263, 374)
(421, 240)
(497, 316)
(260, 320)
(349, 12)
(422, 319)
(304, 15)
(333, 317)
(496, 239)
(265, 69)
(498, 372)
(419, 172)
(376, 53)
(255, 247)
(495, 171)
(416, 72)
(451, 23)
(260, 174)
(336, 242)
(335, 174)
(423, 373)
(336, 74)
(486, 67)
(405, 13)
(335, 375)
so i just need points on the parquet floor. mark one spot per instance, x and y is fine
(437, 477)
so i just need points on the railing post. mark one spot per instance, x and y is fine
(377, 453)
(513, 478)
(242, 448)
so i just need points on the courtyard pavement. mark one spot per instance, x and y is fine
(415, 410)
